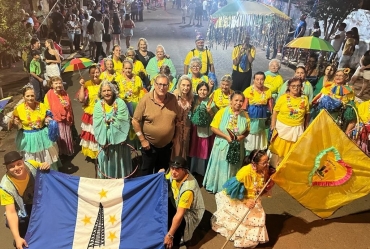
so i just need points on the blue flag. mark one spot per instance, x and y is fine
(77, 212)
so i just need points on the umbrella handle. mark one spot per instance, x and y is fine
(79, 70)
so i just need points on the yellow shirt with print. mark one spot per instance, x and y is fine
(220, 99)
(235, 54)
(186, 199)
(202, 55)
(130, 90)
(295, 115)
(106, 76)
(256, 98)
(252, 181)
(195, 82)
(20, 185)
(36, 117)
(344, 99)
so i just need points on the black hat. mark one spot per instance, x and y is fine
(12, 157)
(179, 162)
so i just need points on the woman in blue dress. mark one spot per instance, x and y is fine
(235, 119)
(111, 127)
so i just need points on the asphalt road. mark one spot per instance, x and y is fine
(290, 225)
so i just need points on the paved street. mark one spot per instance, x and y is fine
(290, 225)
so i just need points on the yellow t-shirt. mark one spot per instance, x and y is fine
(220, 99)
(196, 81)
(138, 67)
(106, 76)
(202, 55)
(235, 54)
(256, 98)
(345, 99)
(92, 91)
(218, 117)
(252, 181)
(31, 119)
(20, 185)
(292, 110)
(274, 83)
(130, 90)
(186, 199)
(117, 66)
(364, 112)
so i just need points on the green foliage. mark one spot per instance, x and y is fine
(12, 28)
(331, 12)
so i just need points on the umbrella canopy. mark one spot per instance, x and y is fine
(248, 8)
(77, 64)
(311, 42)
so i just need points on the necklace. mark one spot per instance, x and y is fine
(37, 124)
(233, 122)
(108, 119)
(223, 97)
(294, 111)
(258, 181)
(62, 100)
(263, 95)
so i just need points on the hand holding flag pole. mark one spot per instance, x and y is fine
(245, 215)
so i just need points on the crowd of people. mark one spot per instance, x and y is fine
(183, 123)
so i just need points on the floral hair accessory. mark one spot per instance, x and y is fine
(346, 71)
(29, 85)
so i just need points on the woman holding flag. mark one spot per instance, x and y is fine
(241, 196)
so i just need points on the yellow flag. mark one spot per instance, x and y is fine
(324, 169)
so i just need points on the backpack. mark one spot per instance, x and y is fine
(208, 64)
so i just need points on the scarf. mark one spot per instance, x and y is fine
(271, 73)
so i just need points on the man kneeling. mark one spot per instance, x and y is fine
(16, 193)
(185, 206)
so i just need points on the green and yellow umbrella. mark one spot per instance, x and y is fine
(77, 64)
(311, 42)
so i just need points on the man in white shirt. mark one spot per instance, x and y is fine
(98, 36)
(337, 39)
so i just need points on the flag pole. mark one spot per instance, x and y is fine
(245, 215)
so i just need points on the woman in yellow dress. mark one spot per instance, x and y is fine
(32, 140)
(138, 67)
(258, 103)
(130, 86)
(88, 96)
(238, 198)
(274, 80)
(196, 77)
(221, 96)
(336, 96)
(109, 74)
(289, 119)
(117, 60)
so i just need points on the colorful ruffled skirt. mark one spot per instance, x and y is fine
(90, 147)
(251, 231)
(65, 141)
(36, 145)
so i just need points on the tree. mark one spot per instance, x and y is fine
(11, 27)
(331, 12)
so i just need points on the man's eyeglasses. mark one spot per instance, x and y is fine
(162, 85)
